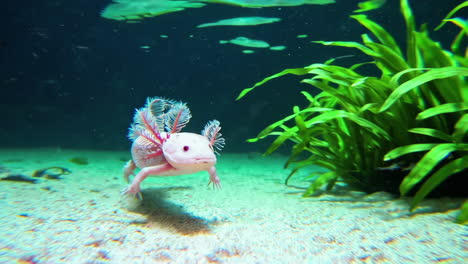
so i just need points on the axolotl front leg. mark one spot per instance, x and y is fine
(214, 178)
(134, 188)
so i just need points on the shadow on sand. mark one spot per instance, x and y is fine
(162, 213)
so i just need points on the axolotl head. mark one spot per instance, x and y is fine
(189, 152)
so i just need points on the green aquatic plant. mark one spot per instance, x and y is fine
(405, 127)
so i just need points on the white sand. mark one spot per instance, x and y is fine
(253, 219)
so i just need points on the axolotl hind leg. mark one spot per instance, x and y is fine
(134, 188)
(128, 169)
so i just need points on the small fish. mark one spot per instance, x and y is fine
(246, 42)
(278, 47)
(241, 21)
(18, 178)
(397, 166)
(51, 172)
(82, 47)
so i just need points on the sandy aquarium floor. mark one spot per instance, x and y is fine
(82, 218)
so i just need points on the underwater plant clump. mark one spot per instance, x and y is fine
(403, 130)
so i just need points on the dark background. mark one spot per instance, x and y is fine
(71, 79)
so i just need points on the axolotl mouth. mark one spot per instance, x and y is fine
(203, 160)
(195, 160)
(195, 164)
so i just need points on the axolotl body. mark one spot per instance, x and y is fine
(160, 149)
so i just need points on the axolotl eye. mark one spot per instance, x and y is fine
(186, 148)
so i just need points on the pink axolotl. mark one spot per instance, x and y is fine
(160, 149)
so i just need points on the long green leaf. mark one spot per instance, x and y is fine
(349, 44)
(299, 119)
(369, 107)
(453, 11)
(442, 109)
(461, 128)
(340, 72)
(390, 59)
(327, 116)
(433, 74)
(329, 77)
(395, 80)
(463, 24)
(432, 133)
(427, 163)
(439, 176)
(411, 50)
(404, 150)
(446, 90)
(382, 35)
(297, 71)
(309, 97)
(276, 133)
(279, 141)
(340, 95)
(460, 22)
(432, 53)
(358, 65)
(265, 132)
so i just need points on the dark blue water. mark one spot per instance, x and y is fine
(70, 78)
